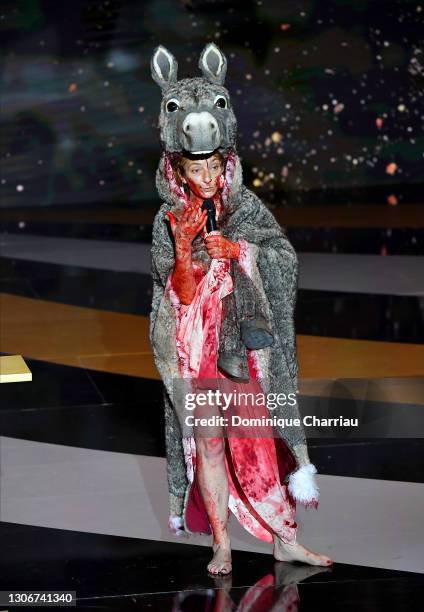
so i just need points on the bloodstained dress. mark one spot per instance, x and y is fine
(256, 465)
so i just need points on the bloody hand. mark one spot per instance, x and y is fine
(220, 247)
(184, 231)
(189, 225)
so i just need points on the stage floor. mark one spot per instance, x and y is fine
(83, 502)
(117, 573)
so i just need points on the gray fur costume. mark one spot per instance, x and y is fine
(196, 117)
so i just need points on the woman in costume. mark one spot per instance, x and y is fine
(258, 477)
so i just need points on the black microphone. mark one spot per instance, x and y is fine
(209, 206)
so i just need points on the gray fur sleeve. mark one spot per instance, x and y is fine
(162, 262)
(162, 247)
(279, 270)
(176, 473)
(278, 266)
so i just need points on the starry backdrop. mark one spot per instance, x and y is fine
(328, 97)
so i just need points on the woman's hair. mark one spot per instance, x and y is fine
(180, 162)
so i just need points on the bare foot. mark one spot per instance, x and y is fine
(297, 552)
(221, 560)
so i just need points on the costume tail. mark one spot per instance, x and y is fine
(303, 486)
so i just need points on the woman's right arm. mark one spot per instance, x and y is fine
(184, 231)
(182, 280)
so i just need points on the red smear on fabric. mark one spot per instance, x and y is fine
(196, 516)
(286, 460)
(174, 187)
(241, 493)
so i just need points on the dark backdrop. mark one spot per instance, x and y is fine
(328, 96)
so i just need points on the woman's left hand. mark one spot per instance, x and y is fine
(220, 247)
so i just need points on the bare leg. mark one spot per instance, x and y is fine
(296, 552)
(213, 484)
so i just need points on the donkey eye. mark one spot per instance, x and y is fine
(221, 102)
(172, 105)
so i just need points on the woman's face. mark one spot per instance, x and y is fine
(201, 176)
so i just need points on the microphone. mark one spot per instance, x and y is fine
(209, 206)
(211, 225)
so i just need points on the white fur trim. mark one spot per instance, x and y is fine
(303, 486)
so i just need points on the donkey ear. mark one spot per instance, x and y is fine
(164, 67)
(213, 64)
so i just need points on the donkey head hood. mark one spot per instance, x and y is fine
(196, 118)
(196, 114)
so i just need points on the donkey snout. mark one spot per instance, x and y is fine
(199, 122)
(200, 132)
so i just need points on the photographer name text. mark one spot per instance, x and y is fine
(236, 420)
